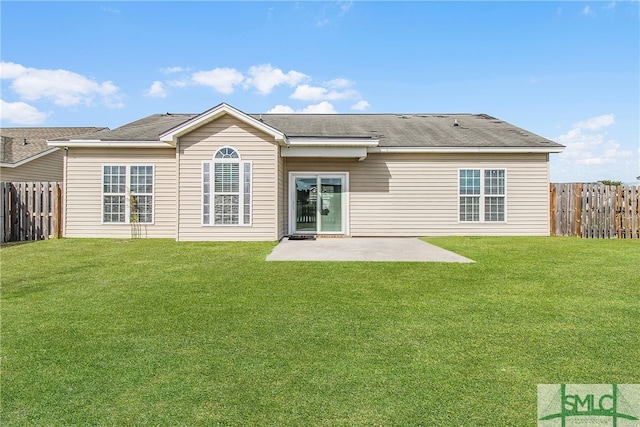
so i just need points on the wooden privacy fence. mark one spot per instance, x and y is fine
(31, 211)
(595, 211)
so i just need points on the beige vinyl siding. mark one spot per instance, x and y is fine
(258, 148)
(417, 194)
(83, 193)
(45, 168)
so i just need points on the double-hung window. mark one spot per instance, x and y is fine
(127, 194)
(482, 195)
(226, 189)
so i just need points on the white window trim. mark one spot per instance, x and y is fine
(241, 193)
(127, 194)
(483, 196)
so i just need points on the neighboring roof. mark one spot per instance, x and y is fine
(15, 150)
(390, 130)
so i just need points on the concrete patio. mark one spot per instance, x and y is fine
(362, 249)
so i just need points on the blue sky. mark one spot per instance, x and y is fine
(568, 71)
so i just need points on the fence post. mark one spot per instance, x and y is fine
(634, 194)
(552, 209)
(57, 213)
(6, 198)
(577, 215)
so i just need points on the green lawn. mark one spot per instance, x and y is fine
(153, 332)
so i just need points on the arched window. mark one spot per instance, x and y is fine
(226, 189)
(226, 153)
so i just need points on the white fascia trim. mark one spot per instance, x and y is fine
(315, 152)
(94, 143)
(332, 142)
(28, 159)
(466, 150)
(172, 135)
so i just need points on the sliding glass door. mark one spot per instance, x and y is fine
(318, 205)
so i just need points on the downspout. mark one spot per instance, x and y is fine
(284, 204)
(63, 227)
(177, 182)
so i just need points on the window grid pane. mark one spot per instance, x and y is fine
(227, 153)
(141, 209)
(469, 208)
(113, 208)
(206, 193)
(114, 179)
(494, 181)
(494, 208)
(141, 180)
(470, 181)
(226, 210)
(227, 178)
(247, 194)
(141, 194)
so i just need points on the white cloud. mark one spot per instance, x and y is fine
(596, 123)
(157, 90)
(345, 6)
(323, 107)
(173, 70)
(21, 113)
(585, 149)
(222, 80)
(264, 78)
(339, 83)
(9, 70)
(110, 10)
(587, 10)
(63, 87)
(322, 22)
(281, 109)
(360, 105)
(178, 83)
(309, 93)
(590, 155)
(317, 93)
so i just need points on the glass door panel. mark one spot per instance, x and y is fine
(331, 205)
(306, 195)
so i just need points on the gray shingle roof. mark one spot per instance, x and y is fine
(15, 150)
(145, 129)
(410, 130)
(392, 130)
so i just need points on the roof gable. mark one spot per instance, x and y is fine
(171, 136)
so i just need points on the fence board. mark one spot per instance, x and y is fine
(594, 211)
(31, 211)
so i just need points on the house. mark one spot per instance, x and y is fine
(227, 175)
(25, 155)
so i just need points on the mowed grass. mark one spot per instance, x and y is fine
(154, 332)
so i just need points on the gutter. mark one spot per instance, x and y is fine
(94, 143)
(465, 150)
